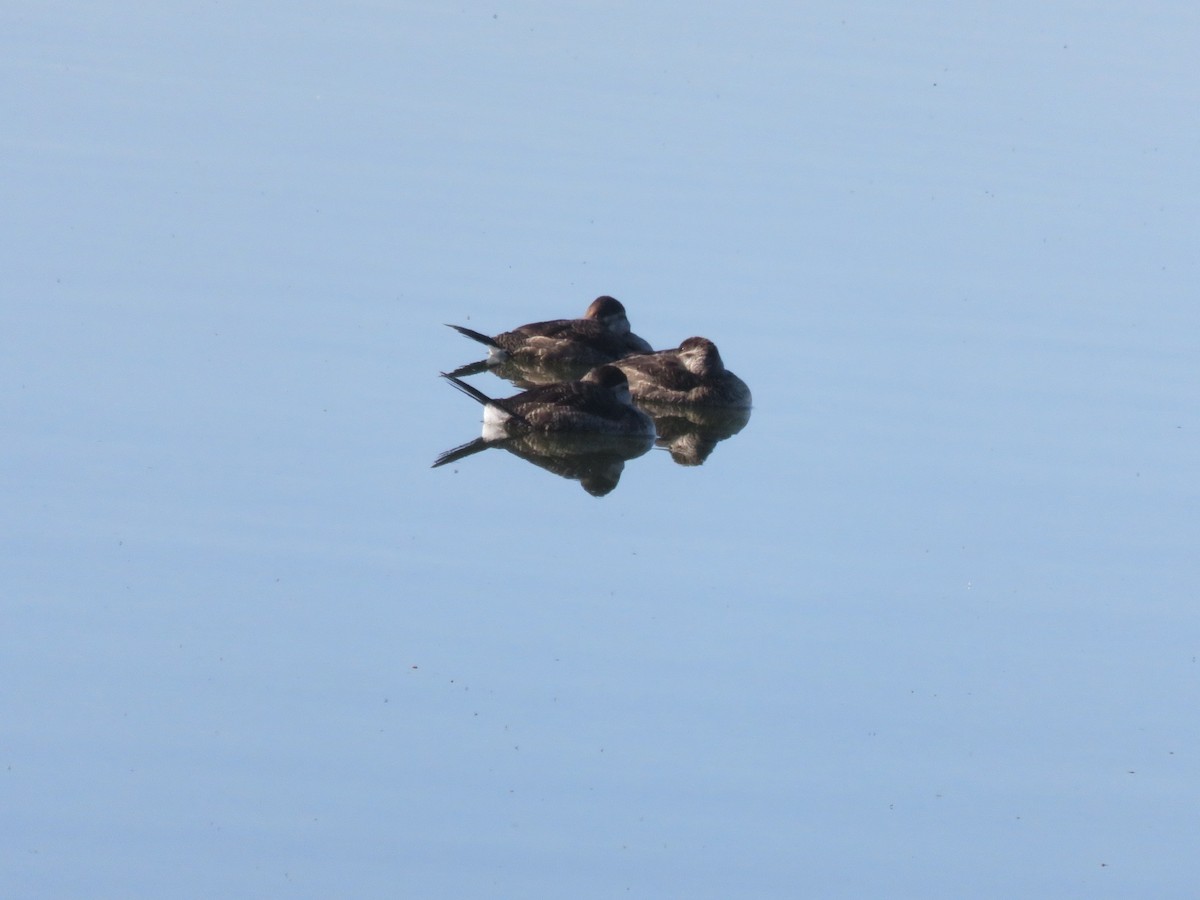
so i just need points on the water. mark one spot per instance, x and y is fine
(924, 627)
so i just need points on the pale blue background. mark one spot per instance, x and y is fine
(926, 628)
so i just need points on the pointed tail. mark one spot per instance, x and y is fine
(480, 397)
(470, 390)
(462, 451)
(476, 336)
(471, 368)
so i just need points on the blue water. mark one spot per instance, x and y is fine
(925, 627)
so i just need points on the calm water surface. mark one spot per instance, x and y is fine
(925, 626)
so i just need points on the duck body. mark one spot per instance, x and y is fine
(601, 336)
(692, 374)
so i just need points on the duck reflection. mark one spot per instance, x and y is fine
(596, 461)
(525, 374)
(691, 433)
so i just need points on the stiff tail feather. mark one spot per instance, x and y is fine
(476, 336)
(470, 390)
(471, 368)
(462, 451)
(479, 396)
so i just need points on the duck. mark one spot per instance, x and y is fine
(693, 375)
(599, 403)
(601, 336)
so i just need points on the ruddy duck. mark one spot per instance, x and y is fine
(599, 404)
(601, 336)
(693, 374)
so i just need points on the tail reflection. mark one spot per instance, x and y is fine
(596, 461)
